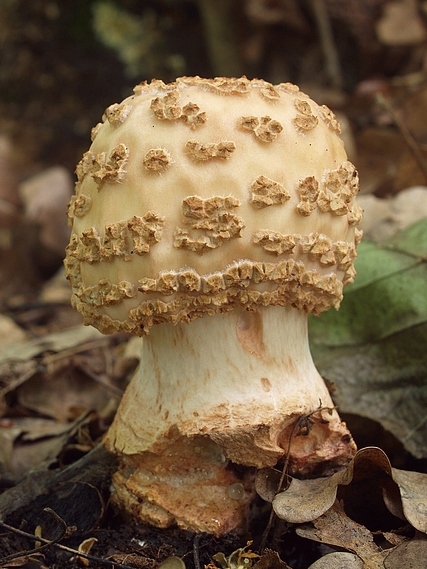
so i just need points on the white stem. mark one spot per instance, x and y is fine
(242, 378)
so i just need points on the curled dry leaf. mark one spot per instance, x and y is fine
(85, 547)
(44, 393)
(306, 500)
(32, 443)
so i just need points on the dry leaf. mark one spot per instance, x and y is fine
(404, 492)
(33, 443)
(412, 109)
(378, 150)
(410, 555)
(32, 428)
(338, 560)
(44, 394)
(335, 528)
(55, 342)
(306, 500)
(413, 491)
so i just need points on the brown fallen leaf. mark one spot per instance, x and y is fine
(55, 342)
(44, 394)
(334, 527)
(33, 443)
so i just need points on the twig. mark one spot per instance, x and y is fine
(196, 556)
(303, 422)
(45, 545)
(409, 139)
(102, 381)
(327, 42)
(417, 427)
(86, 347)
(56, 545)
(218, 19)
(20, 380)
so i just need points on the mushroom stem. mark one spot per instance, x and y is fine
(236, 392)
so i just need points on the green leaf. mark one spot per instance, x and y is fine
(375, 347)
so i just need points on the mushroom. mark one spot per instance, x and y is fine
(210, 217)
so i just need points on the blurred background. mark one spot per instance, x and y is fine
(63, 62)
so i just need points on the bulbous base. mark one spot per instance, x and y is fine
(206, 408)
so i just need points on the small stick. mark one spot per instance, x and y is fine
(407, 135)
(196, 556)
(59, 545)
(327, 42)
(302, 422)
(45, 545)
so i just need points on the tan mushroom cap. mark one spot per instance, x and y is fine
(206, 194)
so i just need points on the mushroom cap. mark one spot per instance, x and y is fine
(202, 195)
